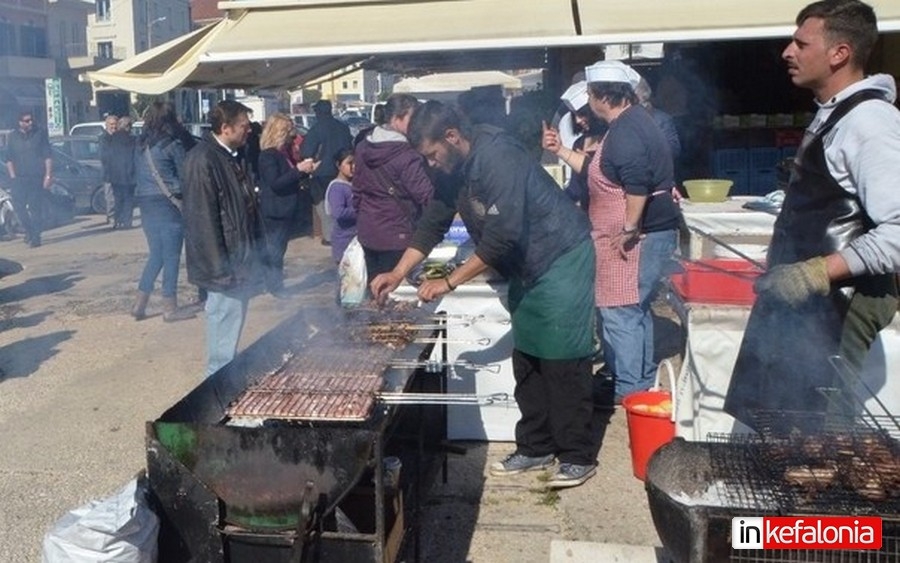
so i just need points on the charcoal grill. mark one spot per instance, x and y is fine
(695, 489)
(278, 455)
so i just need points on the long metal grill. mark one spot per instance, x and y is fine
(336, 375)
(323, 384)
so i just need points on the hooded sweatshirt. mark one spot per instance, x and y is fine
(863, 156)
(390, 188)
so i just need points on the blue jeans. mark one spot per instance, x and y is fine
(627, 332)
(164, 230)
(225, 315)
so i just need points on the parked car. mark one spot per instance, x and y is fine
(304, 120)
(356, 123)
(94, 128)
(83, 181)
(83, 148)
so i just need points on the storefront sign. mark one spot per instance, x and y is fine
(55, 118)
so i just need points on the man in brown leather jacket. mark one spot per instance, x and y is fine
(223, 236)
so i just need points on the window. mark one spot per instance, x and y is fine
(33, 41)
(356, 83)
(103, 10)
(344, 85)
(105, 49)
(7, 38)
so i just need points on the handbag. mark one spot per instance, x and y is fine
(159, 181)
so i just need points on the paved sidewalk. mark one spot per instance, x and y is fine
(79, 378)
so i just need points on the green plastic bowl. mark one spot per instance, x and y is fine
(707, 190)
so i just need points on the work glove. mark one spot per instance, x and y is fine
(797, 282)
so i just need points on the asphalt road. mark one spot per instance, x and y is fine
(79, 378)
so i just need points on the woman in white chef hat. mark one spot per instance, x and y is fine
(633, 216)
(581, 130)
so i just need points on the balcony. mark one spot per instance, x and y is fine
(87, 57)
(14, 66)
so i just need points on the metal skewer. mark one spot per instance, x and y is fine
(756, 263)
(434, 366)
(443, 399)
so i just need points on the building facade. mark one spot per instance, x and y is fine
(119, 29)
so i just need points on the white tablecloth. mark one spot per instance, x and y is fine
(487, 302)
(727, 220)
(714, 334)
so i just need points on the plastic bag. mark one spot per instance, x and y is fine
(352, 273)
(119, 529)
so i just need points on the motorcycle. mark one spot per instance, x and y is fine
(58, 209)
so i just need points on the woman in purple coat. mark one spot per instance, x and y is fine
(390, 187)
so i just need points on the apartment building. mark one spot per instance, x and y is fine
(119, 29)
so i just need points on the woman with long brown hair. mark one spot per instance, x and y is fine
(158, 159)
(279, 182)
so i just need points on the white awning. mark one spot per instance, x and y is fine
(284, 43)
(648, 21)
(457, 82)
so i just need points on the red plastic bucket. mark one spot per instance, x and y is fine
(649, 427)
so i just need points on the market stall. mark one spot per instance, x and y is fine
(715, 326)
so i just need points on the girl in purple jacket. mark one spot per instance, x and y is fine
(339, 204)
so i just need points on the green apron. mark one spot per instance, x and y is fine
(554, 318)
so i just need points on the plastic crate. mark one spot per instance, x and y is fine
(700, 284)
(763, 176)
(789, 152)
(731, 164)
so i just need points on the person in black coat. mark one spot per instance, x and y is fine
(323, 141)
(119, 169)
(279, 183)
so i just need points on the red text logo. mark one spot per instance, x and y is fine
(806, 532)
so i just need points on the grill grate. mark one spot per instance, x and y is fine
(851, 465)
(740, 479)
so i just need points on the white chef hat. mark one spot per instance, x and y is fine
(612, 71)
(575, 97)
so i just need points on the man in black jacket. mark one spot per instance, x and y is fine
(30, 169)
(322, 143)
(223, 236)
(527, 229)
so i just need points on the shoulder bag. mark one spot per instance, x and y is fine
(159, 181)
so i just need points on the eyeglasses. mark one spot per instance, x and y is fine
(29, 120)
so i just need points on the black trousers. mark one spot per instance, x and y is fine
(28, 201)
(123, 195)
(380, 261)
(277, 232)
(554, 397)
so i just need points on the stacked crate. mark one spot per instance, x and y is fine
(731, 164)
(763, 170)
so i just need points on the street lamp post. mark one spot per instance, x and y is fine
(150, 24)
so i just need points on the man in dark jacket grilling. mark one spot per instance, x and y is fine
(223, 236)
(526, 228)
